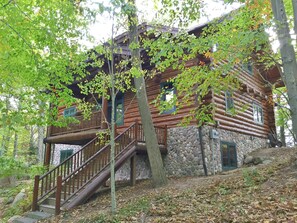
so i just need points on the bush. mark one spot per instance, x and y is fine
(17, 168)
(11, 167)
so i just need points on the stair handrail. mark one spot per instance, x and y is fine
(90, 173)
(131, 136)
(47, 182)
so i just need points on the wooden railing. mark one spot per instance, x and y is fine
(161, 132)
(97, 163)
(47, 183)
(93, 123)
(85, 165)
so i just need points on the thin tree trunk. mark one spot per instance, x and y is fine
(294, 3)
(6, 129)
(282, 124)
(154, 154)
(288, 57)
(31, 142)
(112, 134)
(15, 144)
(40, 144)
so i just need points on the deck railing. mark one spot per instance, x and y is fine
(93, 123)
(161, 132)
(86, 164)
(47, 183)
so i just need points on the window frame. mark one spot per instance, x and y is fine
(163, 97)
(248, 67)
(70, 112)
(65, 151)
(257, 108)
(229, 166)
(118, 100)
(229, 110)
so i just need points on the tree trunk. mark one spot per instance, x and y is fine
(40, 144)
(154, 154)
(112, 134)
(288, 57)
(15, 145)
(294, 3)
(31, 142)
(282, 124)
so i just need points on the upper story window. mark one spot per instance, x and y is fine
(230, 108)
(248, 66)
(168, 92)
(69, 112)
(214, 47)
(258, 113)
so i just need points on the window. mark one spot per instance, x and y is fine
(168, 92)
(64, 154)
(215, 47)
(229, 155)
(258, 113)
(119, 110)
(229, 102)
(248, 66)
(68, 112)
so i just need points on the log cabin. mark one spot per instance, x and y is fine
(82, 162)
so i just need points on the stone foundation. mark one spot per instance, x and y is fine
(56, 151)
(184, 156)
(212, 147)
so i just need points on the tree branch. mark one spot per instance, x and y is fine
(7, 4)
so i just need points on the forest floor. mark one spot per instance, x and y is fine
(262, 193)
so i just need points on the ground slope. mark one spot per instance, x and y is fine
(262, 193)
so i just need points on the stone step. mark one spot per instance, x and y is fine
(24, 220)
(47, 208)
(38, 215)
(50, 201)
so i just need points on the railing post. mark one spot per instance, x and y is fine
(58, 195)
(35, 193)
(165, 136)
(136, 130)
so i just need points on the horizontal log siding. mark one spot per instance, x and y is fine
(153, 89)
(243, 122)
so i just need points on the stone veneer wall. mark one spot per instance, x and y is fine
(184, 153)
(244, 145)
(184, 156)
(143, 170)
(57, 148)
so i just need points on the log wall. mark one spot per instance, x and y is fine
(253, 91)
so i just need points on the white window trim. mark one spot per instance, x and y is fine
(256, 108)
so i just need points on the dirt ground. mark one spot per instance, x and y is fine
(262, 193)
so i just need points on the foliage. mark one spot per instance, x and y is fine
(239, 37)
(17, 168)
(22, 206)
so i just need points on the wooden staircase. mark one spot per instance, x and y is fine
(78, 177)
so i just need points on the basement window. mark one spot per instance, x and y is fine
(229, 155)
(69, 112)
(258, 114)
(64, 154)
